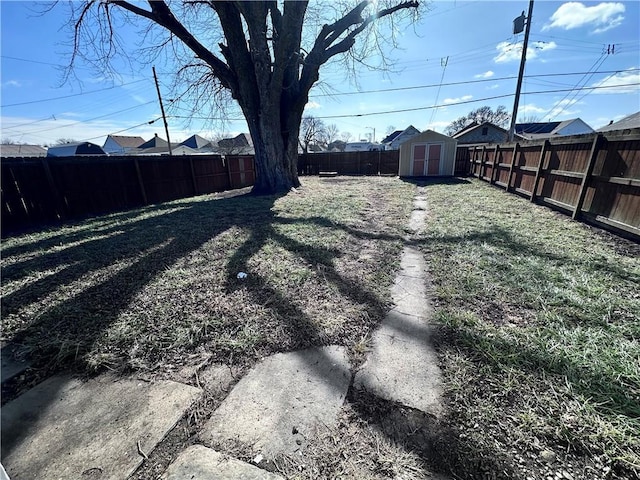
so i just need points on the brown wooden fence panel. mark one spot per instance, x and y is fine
(596, 177)
(26, 194)
(166, 178)
(210, 174)
(46, 190)
(90, 186)
(350, 163)
(241, 170)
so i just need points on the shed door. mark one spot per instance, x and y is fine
(435, 157)
(418, 160)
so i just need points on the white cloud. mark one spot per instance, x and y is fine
(600, 18)
(493, 87)
(464, 98)
(487, 74)
(311, 105)
(622, 82)
(11, 83)
(510, 52)
(530, 108)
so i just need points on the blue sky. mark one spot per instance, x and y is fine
(461, 56)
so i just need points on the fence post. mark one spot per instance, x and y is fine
(513, 162)
(474, 166)
(193, 176)
(483, 161)
(545, 145)
(380, 160)
(54, 191)
(140, 182)
(494, 171)
(227, 161)
(587, 175)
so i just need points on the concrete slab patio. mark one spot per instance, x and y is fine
(280, 402)
(66, 428)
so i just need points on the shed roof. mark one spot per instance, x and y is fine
(74, 149)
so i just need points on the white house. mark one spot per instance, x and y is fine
(393, 140)
(121, 144)
(535, 130)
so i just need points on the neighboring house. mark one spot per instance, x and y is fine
(627, 123)
(364, 147)
(13, 150)
(176, 149)
(336, 146)
(395, 139)
(238, 145)
(121, 144)
(485, 132)
(155, 142)
(196, 142)
(427, 154)
(532, 131)
(75, 149)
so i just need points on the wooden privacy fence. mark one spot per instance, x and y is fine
(350, 163)
(595, 178)
(42, 190)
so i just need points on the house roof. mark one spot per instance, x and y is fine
(392, 136)
(196, 141)
(125, 141)
(241, 140)
(475, 126)
(10, 150)
(389, 138)
(155, 142)
(537, 127)
(547, 129)
(176, 149)
(631, 121)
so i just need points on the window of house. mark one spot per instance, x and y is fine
(485, 130)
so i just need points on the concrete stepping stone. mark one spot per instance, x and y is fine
(403, 366)
(280, 402)
(198, 462)
(66, 428)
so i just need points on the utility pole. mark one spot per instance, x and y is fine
(523, 58)
(166, 126)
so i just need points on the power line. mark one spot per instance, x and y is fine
(433, 85)
(415, 109)
(125, 129)
(87, 120)
(72, 95)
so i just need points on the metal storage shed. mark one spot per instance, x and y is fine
(428, 154)
(75, 149)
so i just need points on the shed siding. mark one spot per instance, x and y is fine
(425, 142)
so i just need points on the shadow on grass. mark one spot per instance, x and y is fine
(132, 249)
(443, 448)
(87, 278)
